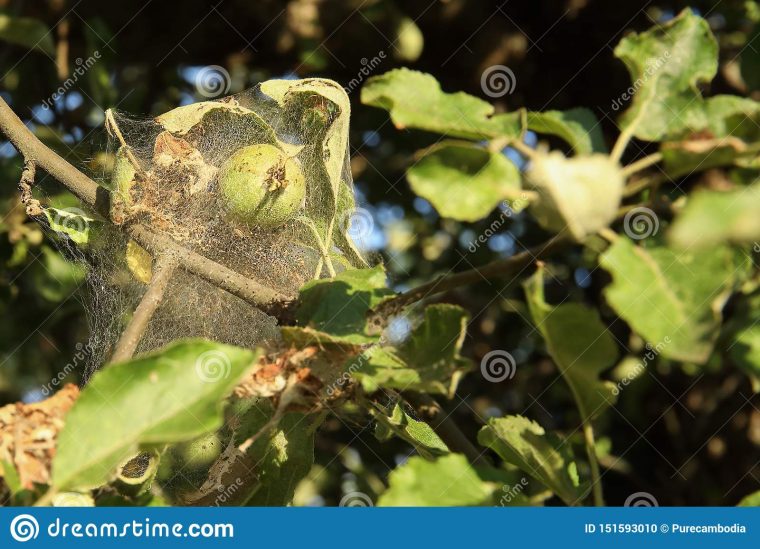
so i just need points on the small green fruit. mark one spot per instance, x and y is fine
(262, 187)
(201, 452)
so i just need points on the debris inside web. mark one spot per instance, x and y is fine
(258, 182)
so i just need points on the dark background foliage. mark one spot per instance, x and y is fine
(688, 436)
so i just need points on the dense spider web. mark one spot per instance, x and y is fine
(164, 175)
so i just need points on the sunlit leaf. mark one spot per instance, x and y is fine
(714, 217)
(579, 194)
(666, 64)
(463, 181)
(580, 358)
(526, 445)
(427, 361)
(580, 128)
(415, 100)
(448, 481)
(170, 395)
(670, 296)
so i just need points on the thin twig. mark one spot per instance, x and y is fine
(496, 269)
(36, 151)
(25, 184)
(635, 187)
(113, 129)
(268, 299)
(641, 164)
(150, 301)
(596, 480)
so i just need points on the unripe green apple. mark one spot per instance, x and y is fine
(262, 187)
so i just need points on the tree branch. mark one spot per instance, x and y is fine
(37, 153)
(496, 269)
(150, 301)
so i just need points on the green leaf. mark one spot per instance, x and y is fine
(463, 181)
(168, 396)
(580, 358)
(28, 32)
(749, 60)
(543, 456)
(448, 481)
(578, 127)
(10, 476)
(672, 298)
(751, 500)
(72, 222)
(417, 433)
(415, 100)
(283, 457)
(579, 194)
(667, 64)
(339, 306)
(712, 217)
(428, 361)
(728, 137)
(744, 333)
